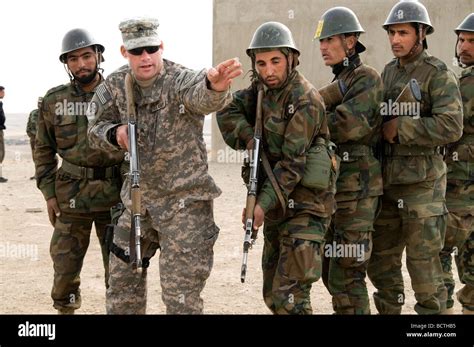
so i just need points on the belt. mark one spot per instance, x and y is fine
(91, 173)
(408, 151)
(354, 150)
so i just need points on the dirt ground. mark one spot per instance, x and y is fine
(26, 277)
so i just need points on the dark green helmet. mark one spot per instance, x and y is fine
(272, 35)
(77, 39)
(409, 11)
(466, 25)
(337, 21)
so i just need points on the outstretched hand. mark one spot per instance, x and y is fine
(221, 76)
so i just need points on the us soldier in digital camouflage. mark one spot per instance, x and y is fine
(81, 192)
(460, 190)
(31, 128)
(177, 191)
(414, 212)
(354, 124)
(293, 120)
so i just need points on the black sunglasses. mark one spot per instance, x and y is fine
(148, 49)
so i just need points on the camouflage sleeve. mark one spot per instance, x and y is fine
(298, 136)
(31, 125)
(357, 116)
(233, 120)
(445, 125)
(102, 115)
(193, 93)
(467, 93)
(46, 162)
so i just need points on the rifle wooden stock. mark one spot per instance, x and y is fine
(411, 93)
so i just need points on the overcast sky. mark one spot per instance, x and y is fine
(31, 33)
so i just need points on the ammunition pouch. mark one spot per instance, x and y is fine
(322, 166)
(333, 93)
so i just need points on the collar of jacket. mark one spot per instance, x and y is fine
(413, 62)
(466, 72)
(354, 62)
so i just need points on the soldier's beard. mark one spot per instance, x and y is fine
(86, 79)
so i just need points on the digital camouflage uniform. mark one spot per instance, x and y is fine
(414, 211)
(177, 191)
(86, 185)
(293, 116)
(31, 127)
(460, 202)
(354, 126)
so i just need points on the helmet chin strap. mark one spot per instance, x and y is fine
(418, 43)
(344, 45)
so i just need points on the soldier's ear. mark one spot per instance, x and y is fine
(123, 51)
(351, 42)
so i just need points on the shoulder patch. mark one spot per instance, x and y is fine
(438, 64)
(103, 94)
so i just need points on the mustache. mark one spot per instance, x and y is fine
(83, 70)
(465, 54)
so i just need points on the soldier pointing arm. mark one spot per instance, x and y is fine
(177, 190)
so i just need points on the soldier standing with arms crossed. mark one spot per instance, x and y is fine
(354, 123)
(81, 192)
(414, 210)
(460, 189)
(177, 191)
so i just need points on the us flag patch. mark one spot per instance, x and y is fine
(103, 94)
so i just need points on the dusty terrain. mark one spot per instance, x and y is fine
(26, 269)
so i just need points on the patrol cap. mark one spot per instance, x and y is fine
(140, 32)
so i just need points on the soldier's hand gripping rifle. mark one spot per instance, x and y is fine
(333, 93)
(134, 176)
(252, 187)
